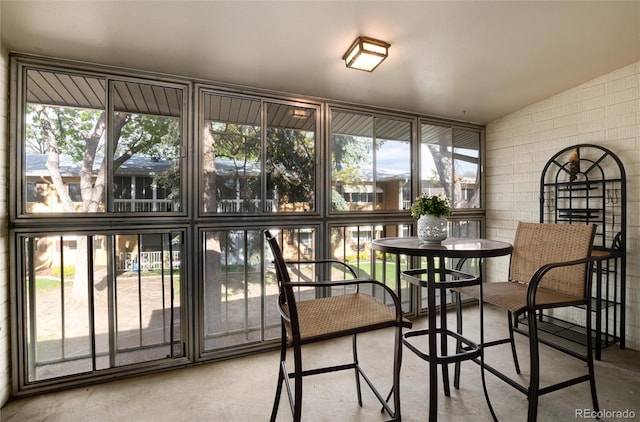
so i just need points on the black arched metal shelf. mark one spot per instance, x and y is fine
(586, 184)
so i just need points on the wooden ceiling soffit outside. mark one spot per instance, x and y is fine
(353, 124)
(67, 90)
(247, 111)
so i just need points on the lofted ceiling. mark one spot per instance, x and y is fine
(472, 61)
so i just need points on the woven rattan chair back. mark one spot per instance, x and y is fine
(538, 244)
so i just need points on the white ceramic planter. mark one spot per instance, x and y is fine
(432, 229)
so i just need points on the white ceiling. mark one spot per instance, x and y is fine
(473, 61)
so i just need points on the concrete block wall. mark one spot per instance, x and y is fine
(5, 335)
(604, 111)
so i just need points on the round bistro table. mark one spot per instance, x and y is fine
(462, 248)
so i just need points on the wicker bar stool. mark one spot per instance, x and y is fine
(326, 318)
(550, 268)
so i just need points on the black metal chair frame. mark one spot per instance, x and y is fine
(289, 318)
(533, 311)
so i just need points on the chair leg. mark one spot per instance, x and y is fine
(511, 317)
(297, 402)
(589, 356)
(281, 374)
(443, 342)
(395, 388)
(534, 381)
(397, 363)
(592, 381)
(276, 403)
(355, 360)
(456, 373)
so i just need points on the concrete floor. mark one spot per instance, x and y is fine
(242, 389)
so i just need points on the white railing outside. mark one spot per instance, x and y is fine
(149, 261)
(243, 205)
(143, 205)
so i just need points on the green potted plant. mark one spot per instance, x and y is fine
(432, 212)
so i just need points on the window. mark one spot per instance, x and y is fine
(239, 297)
(291, 158)
(352, 244)
(244, 173)
(68, 136)
(115, 309)
(74, 191)
(32, 192)
(96, 296)
(450, 164)
(370, 162)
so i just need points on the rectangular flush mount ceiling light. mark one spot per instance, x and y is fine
(366, 53)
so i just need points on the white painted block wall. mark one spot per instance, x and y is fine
(604, 111)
